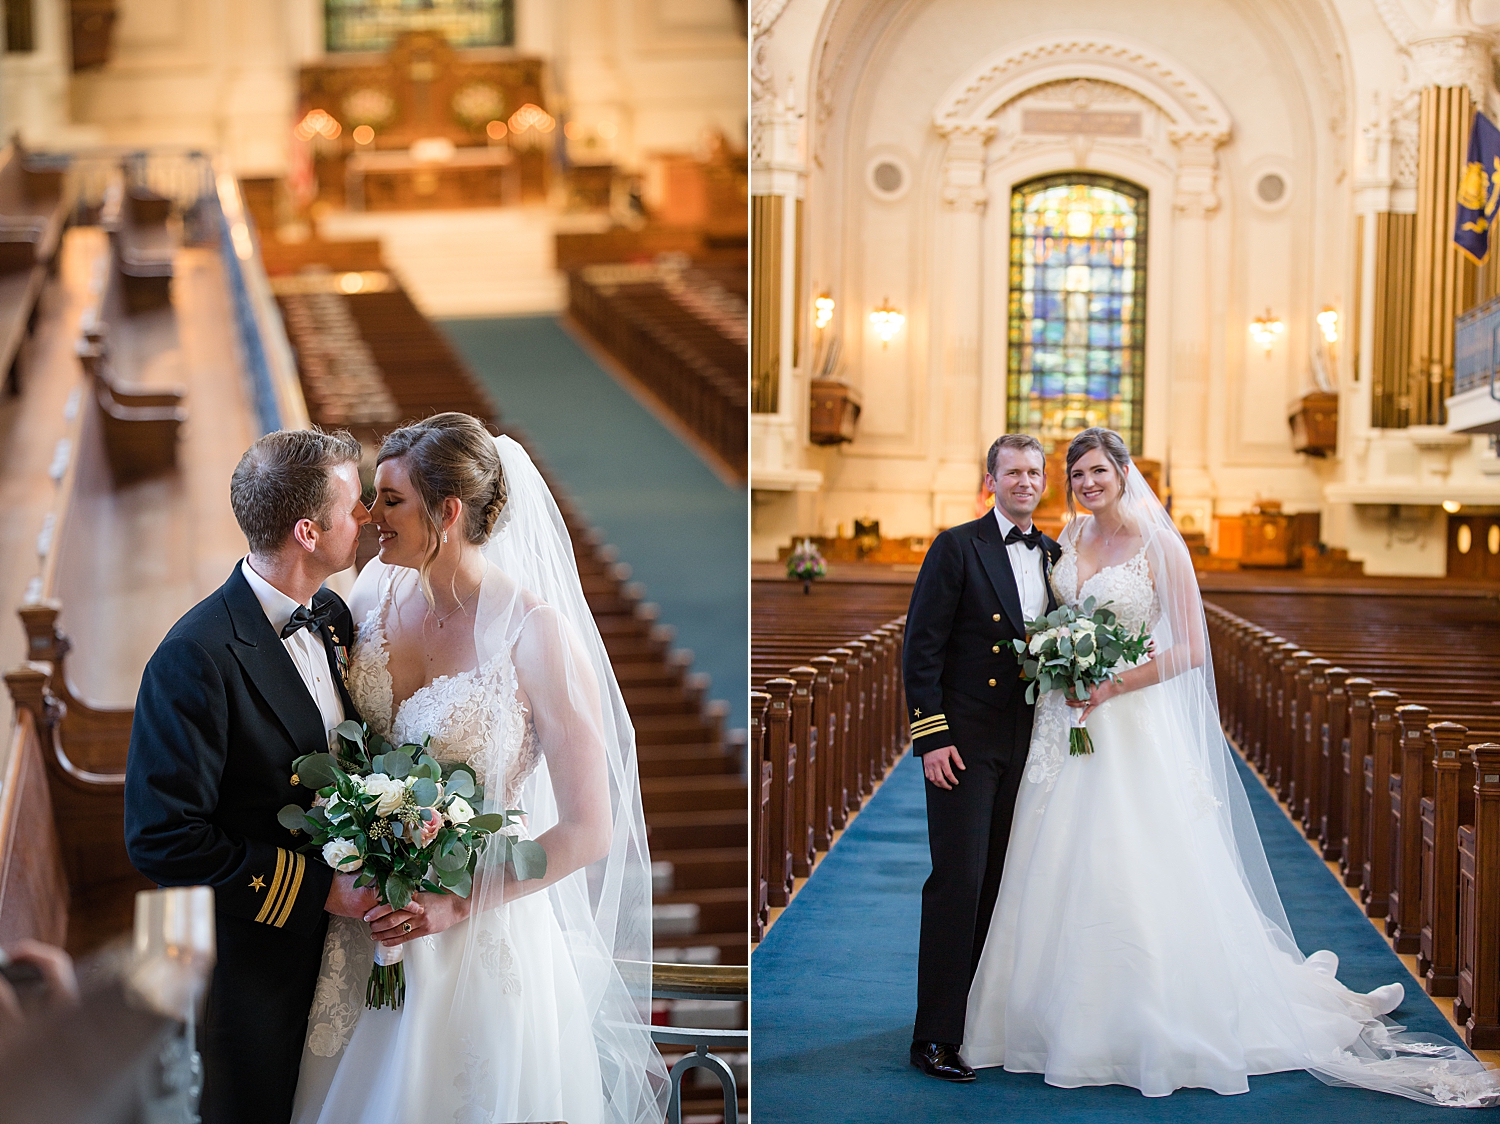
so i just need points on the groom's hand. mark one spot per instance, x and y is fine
(937, 766)
(346, 901)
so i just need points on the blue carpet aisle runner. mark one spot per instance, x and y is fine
(835, 990)
(682, 529)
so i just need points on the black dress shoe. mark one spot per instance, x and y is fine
(940, 1060)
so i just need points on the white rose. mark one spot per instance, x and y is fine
(389, 792)
(335, 852)
(459, 811)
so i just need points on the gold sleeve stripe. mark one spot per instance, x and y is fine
(295, 884)
(268, 905)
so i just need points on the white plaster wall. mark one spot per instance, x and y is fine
(922, 419)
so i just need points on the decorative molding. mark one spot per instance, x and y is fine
(1396, 21)
(963, 165)
(1194, 112)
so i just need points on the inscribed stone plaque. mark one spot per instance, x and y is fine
(1072, 122)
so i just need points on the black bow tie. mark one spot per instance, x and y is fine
(1032, 538)
(303, 617)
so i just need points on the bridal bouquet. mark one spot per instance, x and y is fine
(1072, 650)
(404, 821)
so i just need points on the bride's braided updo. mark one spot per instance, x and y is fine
(446, 455)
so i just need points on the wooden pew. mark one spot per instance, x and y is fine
(33, 213)
(1385, 765)
(141, 427)
(693, 359)
(145, 247)
(829, 667)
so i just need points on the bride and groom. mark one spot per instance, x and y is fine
(1109, 918)
(470, 628)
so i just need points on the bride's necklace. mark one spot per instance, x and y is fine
(461, 604)
(1108, 539)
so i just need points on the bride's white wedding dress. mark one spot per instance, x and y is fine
(520, 1046)
(1133, 942)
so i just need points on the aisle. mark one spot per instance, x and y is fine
(835, 989)
(682, 530)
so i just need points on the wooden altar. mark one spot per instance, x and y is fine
(424, 126)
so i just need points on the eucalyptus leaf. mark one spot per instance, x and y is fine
(424, 792)
(529, 859)
(460, 783)
(317, 770)
(457, 860)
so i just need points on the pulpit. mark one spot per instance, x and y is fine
(1314, 421)
(835, 409)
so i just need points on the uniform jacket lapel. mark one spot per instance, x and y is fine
(996, 562)
(331, 641)
(267, 665)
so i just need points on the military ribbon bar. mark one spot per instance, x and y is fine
(1478, 190)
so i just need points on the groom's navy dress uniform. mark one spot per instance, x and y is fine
(221, 714)
(963, 688)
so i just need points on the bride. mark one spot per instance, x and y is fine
(1139, 938)
(474, 631)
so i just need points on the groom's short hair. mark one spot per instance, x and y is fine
(1022, 442)
(282, 479)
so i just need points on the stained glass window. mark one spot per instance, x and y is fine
(1077, 307)
(372, 25)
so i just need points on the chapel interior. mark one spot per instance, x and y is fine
(1225, 230)
(221, 219)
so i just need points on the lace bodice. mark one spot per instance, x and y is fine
(1127, 587)
(475, 717)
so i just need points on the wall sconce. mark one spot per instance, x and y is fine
(887, 321)
(1328, 321)
(822, 311)
(1265, 329)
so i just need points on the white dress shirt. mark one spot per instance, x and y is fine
(304, 646)
(1026, 565)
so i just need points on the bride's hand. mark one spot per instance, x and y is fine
(1100, 694)
(427, 915)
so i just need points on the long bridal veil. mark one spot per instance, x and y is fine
(1380, 1055)
(583, 776)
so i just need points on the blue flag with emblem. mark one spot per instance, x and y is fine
(1478, 190)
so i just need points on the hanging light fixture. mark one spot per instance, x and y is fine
(887, 321)
(1265, 329)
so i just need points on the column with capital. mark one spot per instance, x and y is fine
(957, 313)
(1194, 202)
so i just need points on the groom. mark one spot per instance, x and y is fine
(971, 726)
(243, 684)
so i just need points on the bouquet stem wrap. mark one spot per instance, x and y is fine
(387, 983)
(1079, 742)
